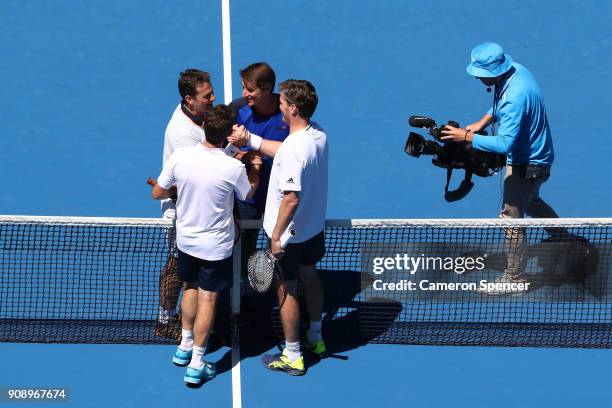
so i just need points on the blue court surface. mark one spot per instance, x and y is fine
(88, 88)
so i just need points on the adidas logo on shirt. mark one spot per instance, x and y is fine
(290, 181)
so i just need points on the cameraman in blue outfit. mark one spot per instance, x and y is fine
(523, 135)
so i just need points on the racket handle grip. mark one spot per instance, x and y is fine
(287, 235)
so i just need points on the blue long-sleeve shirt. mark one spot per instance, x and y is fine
(523, 133)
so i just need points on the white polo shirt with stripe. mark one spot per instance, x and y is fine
(180, 132)
(300, 164)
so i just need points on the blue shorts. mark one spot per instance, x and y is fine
(212, 276)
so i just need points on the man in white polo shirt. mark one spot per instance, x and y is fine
(183, 130)
(296, 202)
(206, 180)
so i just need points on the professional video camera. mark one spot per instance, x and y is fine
(452, 155)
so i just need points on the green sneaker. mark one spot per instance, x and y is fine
(318, 347)
(280, 362)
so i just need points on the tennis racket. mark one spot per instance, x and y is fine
(263, 268)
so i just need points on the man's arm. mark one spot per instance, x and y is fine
(254, 174)
(246, 184)
(510, 116)
(481, 124)
(269, 147)
(241, 137)
(466, 135)
(159, 193)
(286, 211)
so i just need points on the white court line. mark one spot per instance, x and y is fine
(236, 386)
(227, 51)
(227, 90)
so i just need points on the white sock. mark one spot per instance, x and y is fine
(292, 350)
(186, 340)
(197, 358)
(314, 333)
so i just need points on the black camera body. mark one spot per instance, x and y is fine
(452, 155)
(428, 123)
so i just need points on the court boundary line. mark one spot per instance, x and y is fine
(227, 94)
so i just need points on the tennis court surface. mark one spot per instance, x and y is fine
(88, 89)
(411, 282)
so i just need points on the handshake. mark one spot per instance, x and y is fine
(240, 137)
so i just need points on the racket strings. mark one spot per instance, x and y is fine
(261, 269)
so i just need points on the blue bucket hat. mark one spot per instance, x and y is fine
(489, 61)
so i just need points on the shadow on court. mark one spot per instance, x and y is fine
(348, 322)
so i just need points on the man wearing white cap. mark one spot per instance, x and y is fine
(521, 131)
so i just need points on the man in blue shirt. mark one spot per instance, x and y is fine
(523, 135)
(258, 111)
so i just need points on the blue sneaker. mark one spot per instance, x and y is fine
(207, 372)
(182, 358)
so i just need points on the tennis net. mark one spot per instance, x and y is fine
(541, 283)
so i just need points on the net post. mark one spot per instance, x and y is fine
(237, 255)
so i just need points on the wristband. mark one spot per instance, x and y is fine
(255, 142)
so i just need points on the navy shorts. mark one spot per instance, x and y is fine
(302, 253)
(213, 276)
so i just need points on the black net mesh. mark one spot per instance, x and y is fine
(89, 283)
